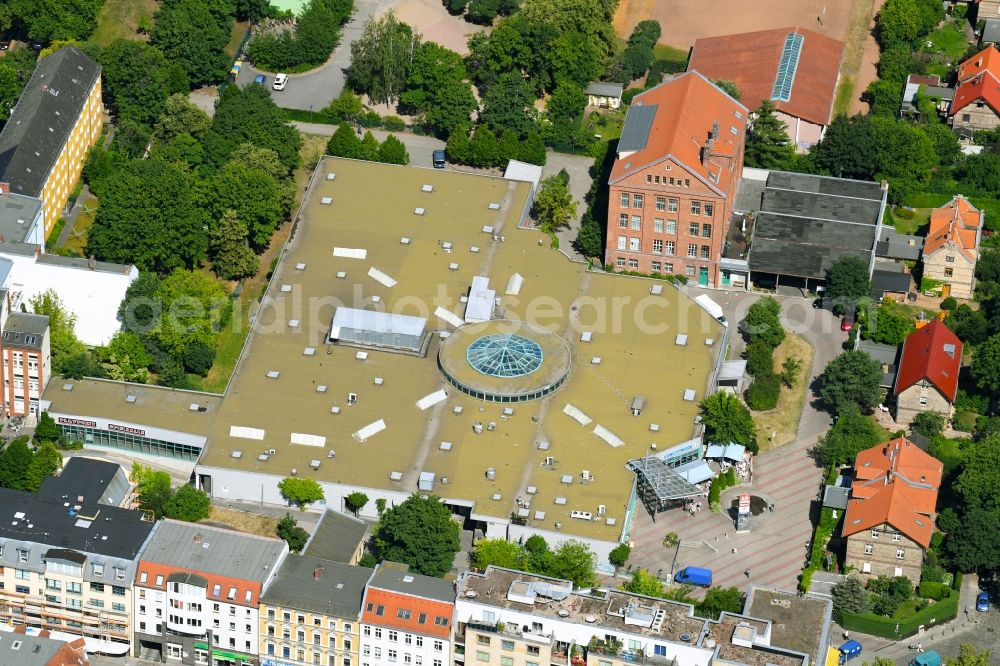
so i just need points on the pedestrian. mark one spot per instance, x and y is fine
(920, 647)
(747, 573)
(847, 635)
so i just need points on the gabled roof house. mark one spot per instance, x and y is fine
(927, 379)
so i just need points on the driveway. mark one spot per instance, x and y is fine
(315, 89)
(774, 550)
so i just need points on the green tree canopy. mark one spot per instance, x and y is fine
(619, 554)
(63, 343)
(969, 655)
(153, 488)
(499, 553)
(47, 430)
(850, 595)
(888, 323)
(508, 104)
(590, 239)
(847, 281)
(15, 70)
(344, 143)
(763, 322)
(295, 536)
(300, 491)
(767, 144)
(392, 151)
(718, 600)
(419, 532)
(194, 34)
(572, 560)
(148, 217)
(138, 80)
(229, 250)
(643, 582)
(189, 504)
(986, 365)
(46, 461)
(48, 20)
(194, 308)
(249, 115)
(436, 86)
(727, 420)
(356, 501)
(381, 57)
(260, 201)
(180, 116)
(15, 463)
(554, 207)
(852, 433)
(853, 378)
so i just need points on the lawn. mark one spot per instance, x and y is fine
(915, 225)
(119, 19)
(606, 123)
(77, 239)
(948, 43)
(783, 420)
(243, 521)
(677, 58)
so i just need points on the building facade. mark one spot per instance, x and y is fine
(57, 119)
(27, 362)
(976, 102)
(198, 590)
(406, 618)
(674, 180)
(891, 510)
(311, 613)
(78, 579)
(951, 249)
(927, 380)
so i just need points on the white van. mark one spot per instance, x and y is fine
(279, 81)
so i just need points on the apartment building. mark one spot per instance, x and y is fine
(406, 618)
(68, 555)
(55, 122)
(27, 362)
(40, 649)
(891, 509)
(513, 618)
(674, 181)
(311, 613)
(198, 590)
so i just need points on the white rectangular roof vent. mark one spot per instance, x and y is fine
(236, 454)
(301, 266)
(474, 249)
(709, 342)
(561, 501)
(376, 299)
(194, 407)
(314, 464)
(494, 205)
(404, 240)
(67, 387)
(681, 340)
(596, 360)
(304, 439)
(381, 277)
(321, 388)
(586, 336)
(487, 229)
(379, 381)
(418, 211)
(273, 374)
(361, 356)
(575, 414)
(326, 201)
(656, 289)
(689, 394)
(293, 323)
(369, 430)
(244, 432)
(452, 267)
(432, 399)
(427, 188)
(446, 246)
(539, 515)
(350, 252)
(331, 176)
(309, 351)
(335, 409)
(445, 446)
(285, 288)
(531, 490)
(341, 275)
(395, 476)
(130, 398)
(567, 479)
(514, 284)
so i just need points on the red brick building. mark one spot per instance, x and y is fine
(27, 362)
(673, 183)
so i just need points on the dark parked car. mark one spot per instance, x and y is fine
(847, 323)
(439, 159)
(983, 602)
(260, 80)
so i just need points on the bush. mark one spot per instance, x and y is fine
(971, 402)
(960, 11)
(964, 422)
(932, 590)
(763, 393)
(949, 303)
(760, 357)
(316, 35)
(805, 580)
(886, 627)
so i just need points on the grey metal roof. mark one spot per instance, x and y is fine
(25, 330)
(215, 551)
(30, 651)
(806, 223)
(95, 480)
(638, 124)
(883, 281)
(605, 89)
(835, 497)
(336, 537)
(319, 586)
(16, 215)
(882, 353)
(894, 245)
(42, 119)
(991, 31)
(396, 577)
(748, 195)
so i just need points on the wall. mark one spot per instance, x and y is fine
(883, 558)
(980, 117)
(963, 270)
(802, 133)
(338, 643)
(908, 403)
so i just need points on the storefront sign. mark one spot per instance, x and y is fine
(77, 422)
(126, 429)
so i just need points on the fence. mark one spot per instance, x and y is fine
(887, 627)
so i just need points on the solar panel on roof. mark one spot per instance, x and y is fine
(787, 67)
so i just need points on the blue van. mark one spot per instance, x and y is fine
(694, 576)
(848, 651)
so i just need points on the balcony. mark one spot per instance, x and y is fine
(509, 630)
(628, 656)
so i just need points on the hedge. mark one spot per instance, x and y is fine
(935, 591)
(885, 627)
(763, 392)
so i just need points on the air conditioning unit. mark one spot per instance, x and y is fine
(586, 475)
(271, 452)
(352, 398)
(601, 509)
(549, 460)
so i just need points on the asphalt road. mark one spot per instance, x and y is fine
(315, 89)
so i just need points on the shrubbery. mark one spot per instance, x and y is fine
(763, 393)
(309, 45)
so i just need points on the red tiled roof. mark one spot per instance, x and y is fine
(686, 108)
(895, 484)
(419, 614)
(957, 221)
(925, 357)
(750, 60)
(987, 60)
(154, 575)
(985, 87)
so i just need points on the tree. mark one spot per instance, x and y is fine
(484, 151)
(229, 250)
(131, 139)
(590, 239)
(760, 357)
(498, 553)
(852, 433)
(969, 325)
(138, 80)
(249, 115)
(564, 108)
(533, 149)
(508, 48)
(153, 488)
(554, 207)
(727, 420)
(847, 281)
(15, 70)
(344, 143)
(15, 461)
(849, 595)
(457, 148)
(728, 87)
(764, 392)
(645, 583)
(619, 555)
(369, 147)
(853, 378)
(300, 491)
(888, 324)
(48, 20)
(295, 536)
(381, 57)
(148, 217)
(767, 142)
(198, 358)
(392, 151)
(189, 504)
(573, 561)
(969, 656)
(180, 116)
(436, 86)
(47, 430)
(251, 11)
(419, 532)
(126, 358)
(929, 424)
(718, 600)
(316, 34)
(63, 343)
(356, 501)
(194, 308)
(986, 365)
(978, 485)
(790, 371)
(261, 202)
(508, 105)
(763, 321)
(194, 34)
(46, 462)
(897, 23)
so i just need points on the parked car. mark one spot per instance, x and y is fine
(280, 80)
(694, 576)
(848, 651)
(5, 40)
(929, 658)
(260, 80)
(983, 602)
(847, 323)
(439, 159)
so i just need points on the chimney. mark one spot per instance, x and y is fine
(706, 152)
(4, 188)
(884, 185)
(317, 573)
(715, 130)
